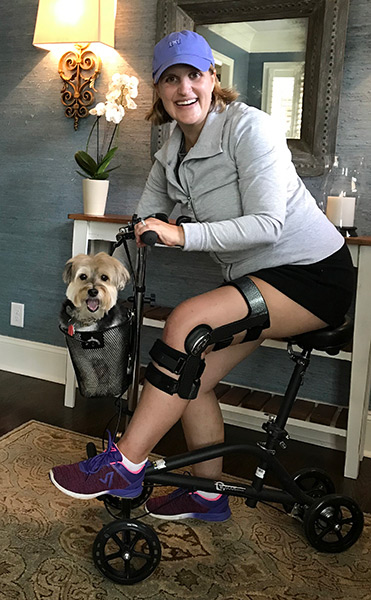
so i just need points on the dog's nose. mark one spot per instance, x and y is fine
(93, 292)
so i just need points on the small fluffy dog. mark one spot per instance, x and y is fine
(93, 281)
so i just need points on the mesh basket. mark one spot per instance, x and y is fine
(101, 358)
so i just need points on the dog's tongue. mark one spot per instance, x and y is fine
(92, 304)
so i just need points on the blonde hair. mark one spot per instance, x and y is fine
(220, 97)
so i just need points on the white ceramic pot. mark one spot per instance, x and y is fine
(94, 195)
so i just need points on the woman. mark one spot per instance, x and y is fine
(229, 168)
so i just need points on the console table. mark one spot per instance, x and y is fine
(91, 228)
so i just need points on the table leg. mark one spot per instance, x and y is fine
(359, 396)
(80, 242)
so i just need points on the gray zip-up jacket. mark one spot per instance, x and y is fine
(249, 208)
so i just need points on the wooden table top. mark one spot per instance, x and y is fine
(363, 240)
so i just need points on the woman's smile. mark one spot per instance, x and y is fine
(186, 102)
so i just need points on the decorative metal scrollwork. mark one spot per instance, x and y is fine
(78, 70)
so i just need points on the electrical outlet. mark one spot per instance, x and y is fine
(17, 314)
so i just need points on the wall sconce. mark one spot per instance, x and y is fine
(81, 23)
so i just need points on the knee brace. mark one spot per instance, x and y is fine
(254, 323)
(189, 368)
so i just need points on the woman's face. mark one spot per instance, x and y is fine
(186, 94)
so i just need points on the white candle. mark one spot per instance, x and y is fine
(340, 210)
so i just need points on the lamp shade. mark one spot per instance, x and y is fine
(75, 22)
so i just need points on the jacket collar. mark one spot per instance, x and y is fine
(208, 144)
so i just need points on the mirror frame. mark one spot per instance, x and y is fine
(327, 23)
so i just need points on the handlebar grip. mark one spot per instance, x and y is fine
(149, 238)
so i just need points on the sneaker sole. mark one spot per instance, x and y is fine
(119, 493)
(200, 516)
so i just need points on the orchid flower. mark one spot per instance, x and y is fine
(121, 91)
(99, 110)
(114, 112)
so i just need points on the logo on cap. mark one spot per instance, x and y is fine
(173, 42)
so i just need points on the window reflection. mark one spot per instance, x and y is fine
(265, 62)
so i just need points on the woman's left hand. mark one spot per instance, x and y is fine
(169, 235)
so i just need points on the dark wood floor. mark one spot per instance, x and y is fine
(24, 398)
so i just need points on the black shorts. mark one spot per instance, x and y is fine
(325, 288)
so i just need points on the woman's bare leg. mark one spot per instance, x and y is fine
(157, 412)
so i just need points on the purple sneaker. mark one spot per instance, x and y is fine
(181, 504)
(102, 474)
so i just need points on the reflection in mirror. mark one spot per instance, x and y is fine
(265, 62)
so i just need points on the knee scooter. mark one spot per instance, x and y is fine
(127, 550)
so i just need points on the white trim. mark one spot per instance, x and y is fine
(226, 64)
(367, 451)
(47, 362)
(33, 359)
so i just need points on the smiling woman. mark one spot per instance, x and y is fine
(286, 271)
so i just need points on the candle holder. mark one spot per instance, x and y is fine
(343, 191)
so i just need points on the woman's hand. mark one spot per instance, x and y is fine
(169, 235)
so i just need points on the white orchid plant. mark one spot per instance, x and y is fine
(121, 92)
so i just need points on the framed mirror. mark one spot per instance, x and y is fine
(292, 55)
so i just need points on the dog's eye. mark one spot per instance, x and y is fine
(104, 277)
(83, 276)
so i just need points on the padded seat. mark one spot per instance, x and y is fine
(328, 339)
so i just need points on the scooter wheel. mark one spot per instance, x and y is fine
(333, 523)
(126, 552)
(315, 483)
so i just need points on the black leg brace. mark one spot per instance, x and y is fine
(190, 366)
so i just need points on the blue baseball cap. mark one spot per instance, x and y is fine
(181, 47)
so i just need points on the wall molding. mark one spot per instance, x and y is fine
(34, 359)
(44, 361)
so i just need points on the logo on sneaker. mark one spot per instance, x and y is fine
(108, 479)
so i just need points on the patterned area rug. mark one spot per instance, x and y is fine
(46, 542)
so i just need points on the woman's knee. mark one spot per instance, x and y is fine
(179, 323)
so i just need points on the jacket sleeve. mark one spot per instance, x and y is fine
(264, 168)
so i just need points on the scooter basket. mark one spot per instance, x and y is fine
(101, 358)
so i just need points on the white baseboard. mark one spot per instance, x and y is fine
(47, 362)
(34, 359)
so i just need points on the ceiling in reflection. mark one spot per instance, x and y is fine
(279, 35)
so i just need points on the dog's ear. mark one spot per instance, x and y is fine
(68, 271)
(122, 274)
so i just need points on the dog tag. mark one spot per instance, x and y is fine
(71, 330)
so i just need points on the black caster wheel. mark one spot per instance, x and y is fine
(315, 483)
(115, 507)
(91, 450)
(333, 523)
(126, 551)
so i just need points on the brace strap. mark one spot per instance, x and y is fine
(188, 367)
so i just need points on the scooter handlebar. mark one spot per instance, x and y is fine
(150, 238)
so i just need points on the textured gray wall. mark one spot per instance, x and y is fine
(39, 186)
(38, 182)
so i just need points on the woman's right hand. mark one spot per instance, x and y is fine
(169, 235)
